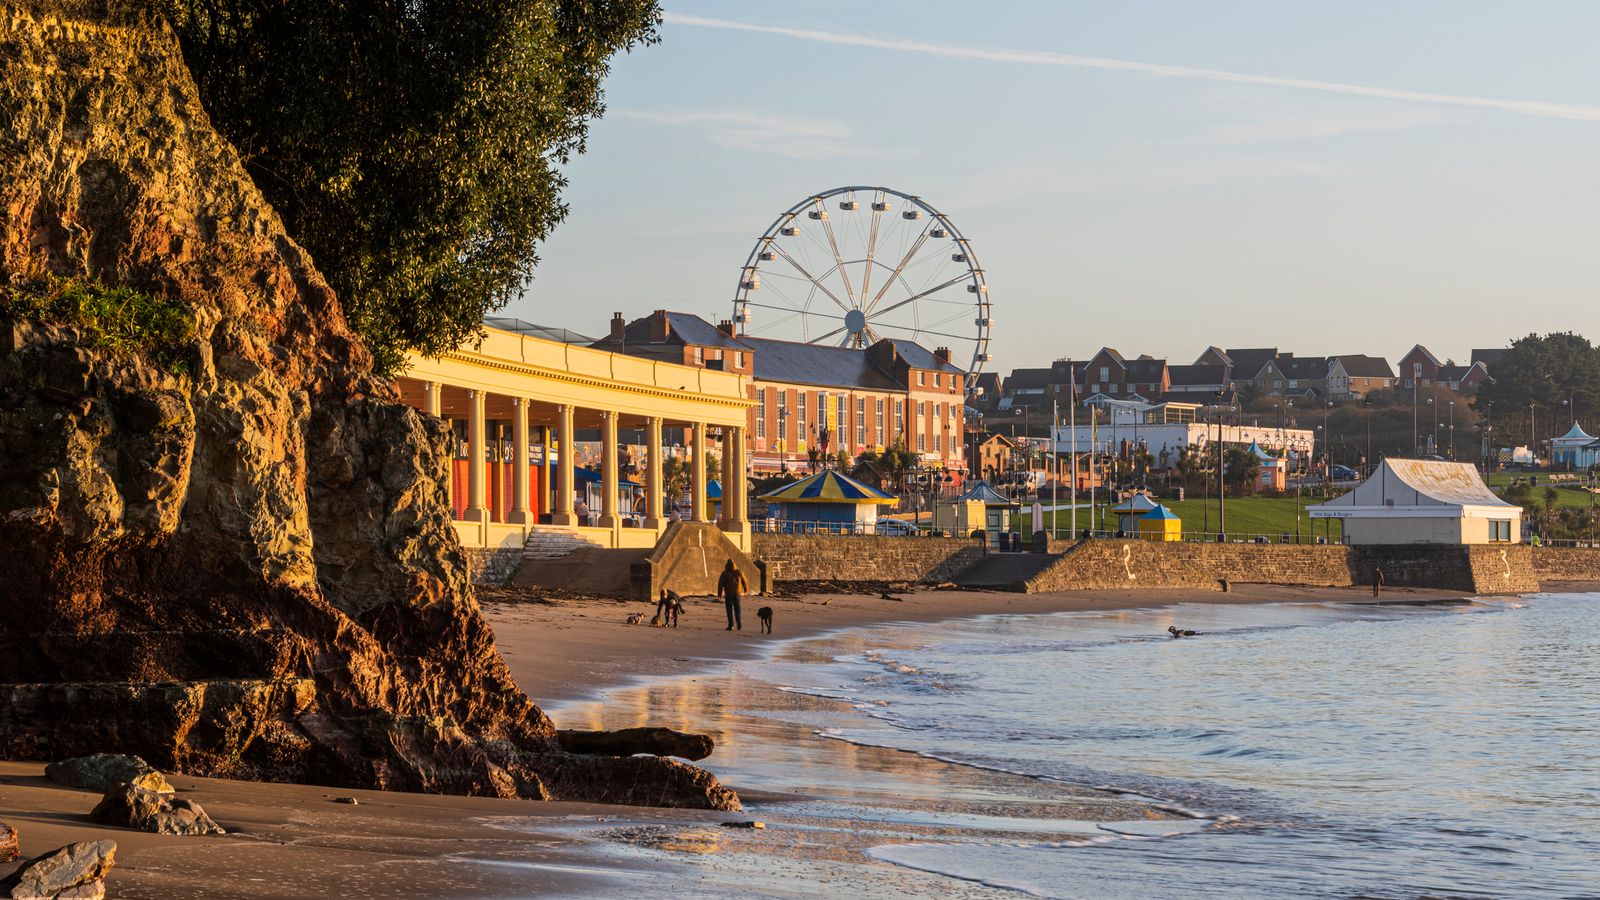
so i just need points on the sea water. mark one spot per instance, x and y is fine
(1346, 750)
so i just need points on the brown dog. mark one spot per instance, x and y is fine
(765, 615)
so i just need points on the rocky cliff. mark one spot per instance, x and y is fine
(233, 558)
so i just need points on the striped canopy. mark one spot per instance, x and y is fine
(827, 486)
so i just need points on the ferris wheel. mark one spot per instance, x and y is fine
(854, 265)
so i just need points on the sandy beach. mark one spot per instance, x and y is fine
(293, 840)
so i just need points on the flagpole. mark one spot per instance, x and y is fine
(1072, 426)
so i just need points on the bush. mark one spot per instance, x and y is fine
(117, 319)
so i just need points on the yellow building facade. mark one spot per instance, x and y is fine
(518, 401)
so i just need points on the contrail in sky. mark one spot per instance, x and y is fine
(1046, 58)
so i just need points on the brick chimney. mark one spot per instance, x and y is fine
(943, 355)
(726, 327)
(660, 328)
(618, 326)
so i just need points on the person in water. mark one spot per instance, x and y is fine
(729, 587)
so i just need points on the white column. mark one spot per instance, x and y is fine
(563, 514)
(477, 459)
(608, 470)
(435, 401)
(652, 478)
(519, 463)
(697, 495)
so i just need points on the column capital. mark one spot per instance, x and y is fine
(474, 393)
(519, 402)
(608, 414)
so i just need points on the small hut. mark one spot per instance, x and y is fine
(1129, 511)
(1567, 450)
(1273, 472)
(828, 501)
(979, 506)
(1161, 524)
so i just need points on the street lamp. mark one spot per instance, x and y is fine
(1435, 445)
(1452, 429)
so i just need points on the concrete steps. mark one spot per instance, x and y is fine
(1006, 571)
(588, 569)
(553, 542)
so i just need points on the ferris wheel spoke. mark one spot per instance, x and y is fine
(895, 275)
(842, 329)
(833, 244)
(872, 242)
(793, 311)
(915, 330)
(809, 277)
(915, 297)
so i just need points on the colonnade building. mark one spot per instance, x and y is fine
(523, 399)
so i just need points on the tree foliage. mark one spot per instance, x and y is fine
(1546, 370)
(413, 146)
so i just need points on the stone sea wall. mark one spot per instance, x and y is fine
(821, 557)
(1567, 564)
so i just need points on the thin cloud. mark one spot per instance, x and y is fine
(1540, 108)
(1300, 127)
(760, 133)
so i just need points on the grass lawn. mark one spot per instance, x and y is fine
(1247, 516)
(1568, 494)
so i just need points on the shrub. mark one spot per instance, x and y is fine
(117, 319)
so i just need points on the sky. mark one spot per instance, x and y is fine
(1153, 176)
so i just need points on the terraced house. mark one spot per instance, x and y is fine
(812, 399)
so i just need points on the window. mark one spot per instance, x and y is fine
(800, 416)
(861, 421)
(938, 379)
(922, 377)
(1500, 531)
(899, 416)
(877, 423)
(761, 413)
(699, 356)
(922, 442)
(738, 359)
(839, 410)
(1105, 373)
(938, 442)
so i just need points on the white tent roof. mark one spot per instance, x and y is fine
(1419, 487)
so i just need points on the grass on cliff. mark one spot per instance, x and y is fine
(116, 319)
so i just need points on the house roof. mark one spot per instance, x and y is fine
(1144, 371)
(1359, 365)
(1426, 354)
(1196, 375)
(1489, 356)
(1248, 361)
(827, 486)
(917, 356)
(1418, 484)
(1303, 366)
(1459, 373)
(1028, 379)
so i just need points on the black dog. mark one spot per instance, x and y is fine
(765, 615)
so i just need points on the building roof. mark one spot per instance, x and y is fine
(1302, 367)
(1144, 371)
(1576, 434)
(1249, 360)
(982, 492)
(1028, 379)
(796, 363)
(1426, 354)
(1407, 486)
(827, 486)
(917, 356)
(1136, 503)
(1196, 375)
(1159, 513)
(1458, 373)
(518, 326)
(1489, 356)
(987, 384)
(1360, 365)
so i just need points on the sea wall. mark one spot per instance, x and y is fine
(1109, 563)
(822, 557)
(1567, 563)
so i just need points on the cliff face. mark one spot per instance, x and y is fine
(239, 563)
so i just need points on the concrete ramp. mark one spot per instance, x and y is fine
(1006, 571)
(688, 559)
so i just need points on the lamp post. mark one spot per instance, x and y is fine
(1452, 429)
(1435, 445)
(1366, 461)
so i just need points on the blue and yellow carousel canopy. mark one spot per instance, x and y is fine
(827, 486)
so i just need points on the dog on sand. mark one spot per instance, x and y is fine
(765, 615)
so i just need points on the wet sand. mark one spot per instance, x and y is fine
(295, 841)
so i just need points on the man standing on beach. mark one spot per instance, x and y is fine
(729, 587)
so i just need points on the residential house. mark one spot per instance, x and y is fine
(1357, 375)
(1207, 380)
(1419, 368)
(1462, 379)
(1489, 357)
